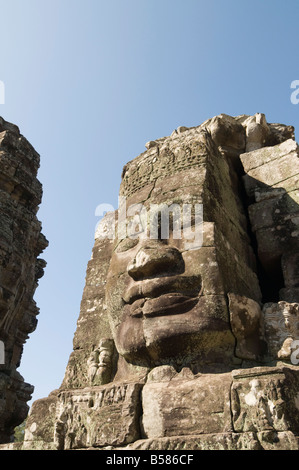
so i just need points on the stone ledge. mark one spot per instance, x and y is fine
(266, 440)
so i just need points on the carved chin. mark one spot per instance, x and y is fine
(153, 330)
(154, 340)
(130, 341)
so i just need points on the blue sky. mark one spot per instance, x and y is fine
(90, 82)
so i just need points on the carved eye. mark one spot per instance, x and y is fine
(126, 244)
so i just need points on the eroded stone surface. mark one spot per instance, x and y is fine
(186, 407)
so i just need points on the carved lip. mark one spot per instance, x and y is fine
(169, 295)
(167, 304)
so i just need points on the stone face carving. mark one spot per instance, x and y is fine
(201, 337)
(21, 243)
(166, 303)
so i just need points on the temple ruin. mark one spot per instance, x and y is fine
(189, 343)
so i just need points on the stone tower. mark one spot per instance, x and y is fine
(21, 243)
(187, 332)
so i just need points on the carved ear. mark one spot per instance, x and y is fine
(247, 326)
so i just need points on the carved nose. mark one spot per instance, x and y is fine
(155, 259)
